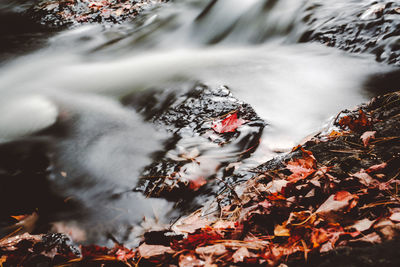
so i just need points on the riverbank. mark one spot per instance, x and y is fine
(174, 171)
(336, 193)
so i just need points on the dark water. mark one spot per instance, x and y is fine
(61, 89)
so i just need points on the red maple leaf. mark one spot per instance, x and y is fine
(301, 167)
(229, 124)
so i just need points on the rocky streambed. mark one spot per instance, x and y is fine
(332, 196)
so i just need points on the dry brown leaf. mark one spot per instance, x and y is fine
(376, 168)
(395, 217)
(190, 260)
(363, 177)
(281, 230)
(342, 201)
(367, 136)
(301, 167)
(240, 254)
(148, 251)
(217, 250)
(362, 225)
(370, 238)
(221, 224)
(190, 224)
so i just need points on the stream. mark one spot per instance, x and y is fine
(61, 90)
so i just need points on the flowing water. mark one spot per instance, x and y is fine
(78, 76)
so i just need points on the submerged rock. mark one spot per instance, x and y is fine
(210, 128)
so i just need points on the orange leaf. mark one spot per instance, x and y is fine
(301, 168)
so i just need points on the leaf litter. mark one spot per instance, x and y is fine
(312, 202)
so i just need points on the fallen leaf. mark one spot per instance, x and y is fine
(363, 177)
(370, 238)
(221, 224)
(190, 224)
(342, 201)
(240, 254)
(281, 230)
(334, 134)
(124, 254)
(276, 186)
(229, 124)
(301, 167)
(93, 251)
(148, 251)
(367, 136)
(387, 229)
(319, 237)
(395, 217)
(342, 196)
(356, 123)
(190, 260)
(376, 168)
(362, 225)
(206, 236)
(197, 183)
(216, 250)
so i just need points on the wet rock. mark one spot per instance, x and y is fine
(356, 26)
(66, 12)
(38, 250)
(196, 153)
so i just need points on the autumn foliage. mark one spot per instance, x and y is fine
(304, 205)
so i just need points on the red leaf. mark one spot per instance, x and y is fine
(229, 124)
(93, 251)
(342, 196)
(301, 168)
(356, 123)
(197, 240)
(197, 183)
(376, 168)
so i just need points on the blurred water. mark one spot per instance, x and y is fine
(82, 73)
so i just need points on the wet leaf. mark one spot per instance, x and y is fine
(197, 183)
(229, 124)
